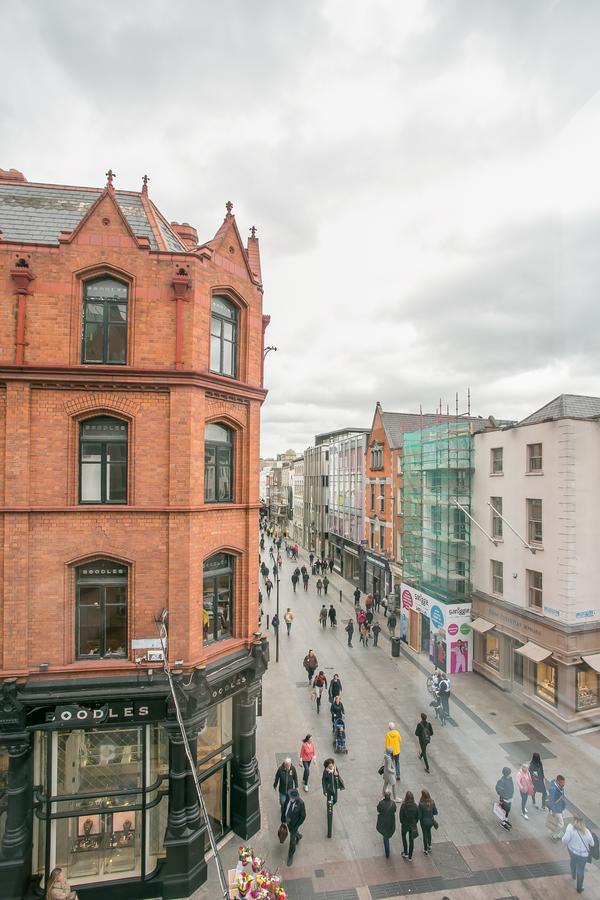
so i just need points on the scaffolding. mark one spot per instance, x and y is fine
(437, 475)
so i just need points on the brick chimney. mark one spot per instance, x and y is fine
(11, 175)
(187, 233)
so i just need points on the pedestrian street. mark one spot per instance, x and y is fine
(472, 856)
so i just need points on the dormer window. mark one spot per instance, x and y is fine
(223, 337)
(104, 339)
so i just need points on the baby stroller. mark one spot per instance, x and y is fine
(339, 736)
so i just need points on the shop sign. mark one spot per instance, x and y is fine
(585, 614)
(420, 602)
(465, 629)
(551, 611)
(407, 599)
(437, 617)
(74, 715)
(236, 681)
(453, 628)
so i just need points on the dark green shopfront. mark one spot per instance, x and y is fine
(94, 778)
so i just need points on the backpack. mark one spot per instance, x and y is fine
(595, 849)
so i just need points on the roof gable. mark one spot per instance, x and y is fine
(227, 244)
(106, 222)
(565, 406)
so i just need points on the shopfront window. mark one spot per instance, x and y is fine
(103, 813)
(517, 663)
(214, 740)
(101, 610)
(587, 694)
(546, 682)
(3, 791)
(218, 598)
(492, 651)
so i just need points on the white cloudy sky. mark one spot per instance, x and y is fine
(424, 176)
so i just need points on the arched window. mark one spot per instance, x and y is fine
(104, 322)
(218, 598)
(218, 464)
(103, 460)
(101, 620)
(223, 337)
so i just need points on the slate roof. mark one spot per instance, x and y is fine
(565, 406)
(37, 213)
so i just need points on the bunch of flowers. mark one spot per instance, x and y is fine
(254, 881)
(244, 883)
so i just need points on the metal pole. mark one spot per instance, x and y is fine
(329, 817)
(277, 629)
(162, 633)
(340, 595)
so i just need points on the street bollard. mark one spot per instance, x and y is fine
(268, 617)
(329, 817)
(340, 595)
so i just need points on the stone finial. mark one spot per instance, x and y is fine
(145, 181)
(229, 207)
(253, 231)
(110, 175)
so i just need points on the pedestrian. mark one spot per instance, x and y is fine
(384, 603)
(444, 696)
(296, 549)
(536, 770)
(505, 789)
(275, 622)
(386, 820)
(295, 814)
(319, 684)
(279, 561)
(303, 570)
(311, 557)
(393, 742)
(307, 755)
(286, 778)
(319, 586)
(305, 581)
(335, 687)
(364, 634)
(409, 816)
(375, 630)
(336, 709)
(357, 597)
(369, 617)
(331, 565)
(427, 813)
(361, 617)
(525, 785)
(349, 631)
(579, 841)
(424, 732)
(58, 888)
(388, 770)
(332, 616)
(556, 806)
(331, 781)
(262, 543)
(325, 584)
(268, 586)
(368, 602)
(310, 664)
(288, 619)
(376, 599)
(391, 624)
(323, 616)
(294, 581)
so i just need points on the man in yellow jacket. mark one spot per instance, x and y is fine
(393, 742)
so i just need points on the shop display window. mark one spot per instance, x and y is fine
(517, 664)
(587, 695)
(546, 682)
(3, 792)
(492, 651)
(214, 741)
(102, 803)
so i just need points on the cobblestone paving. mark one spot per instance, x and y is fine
(472, 858)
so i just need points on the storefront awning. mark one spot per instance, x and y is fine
(481, 625)
(593, 661)
(533, 651)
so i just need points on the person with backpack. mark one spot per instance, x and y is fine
(310, 664)
(349, 629)
(319, 685)
(391, 624)
(525, 785)
(443, 692)
(275, 622)
(268, 586)
(332, 616)
(294, 581)
(319, 586)
(580, 843)
(556, 807)
(305, 581)
(505, 789)
(409, 816)
(323, 616)
(386, 820)
(427, 813)
(325, 584)
(536, 770)
(424, 733)
(357, 597)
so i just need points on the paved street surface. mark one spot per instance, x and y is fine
(472, 857)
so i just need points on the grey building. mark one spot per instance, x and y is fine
(316, 497)
(347, 449)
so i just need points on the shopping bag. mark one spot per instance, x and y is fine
(553, 822)
(282, 833)
(499, 811)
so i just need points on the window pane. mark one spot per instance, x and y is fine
(217, 434)
(116, 472)
(208, 612)
(94, 312)
(224, 623)
(93, 341)
(215, 354)
(89, 621)
(224, 307)
(106, 289)
(117, 343)
(91, 452)
(210, 454)
(227, 331)
(224, 457)
(91, 483)
(117, 312)
(227, 368)
(116, 619)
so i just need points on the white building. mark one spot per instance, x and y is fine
(347, 449)
(297, 523)
(536, 602)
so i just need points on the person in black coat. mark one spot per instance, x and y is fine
(336, 709)
(427, 813)
(335, 687)
(286, 778)
(424, 731)
(331, 781)
(295, 814)
(386, 820)
(409, 816)
(536, 770)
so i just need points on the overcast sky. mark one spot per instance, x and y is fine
(423, 175)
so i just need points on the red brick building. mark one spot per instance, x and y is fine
(130, 392)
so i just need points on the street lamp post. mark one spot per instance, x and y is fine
(277, 629)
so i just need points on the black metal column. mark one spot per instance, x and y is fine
(15, 851)
(245, 777)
